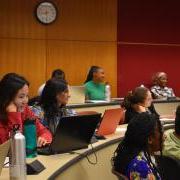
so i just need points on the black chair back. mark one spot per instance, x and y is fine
(119, 175)
(169, 167)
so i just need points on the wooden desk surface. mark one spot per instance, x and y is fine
(163, 107)
(98, 107)
(56, 164)
(94, 104)
(166, 107)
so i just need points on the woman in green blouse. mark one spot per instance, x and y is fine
(94, 84)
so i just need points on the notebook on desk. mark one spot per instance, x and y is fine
(77, 95)
(110, 121)
(74, 132)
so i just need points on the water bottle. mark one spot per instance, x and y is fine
(107, 92)
(17, 159)
(31, 140)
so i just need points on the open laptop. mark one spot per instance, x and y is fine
(77, 95)
(72, 133)
(110, 121)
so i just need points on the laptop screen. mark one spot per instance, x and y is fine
(74, 132)
(77, 95)
(110, 120)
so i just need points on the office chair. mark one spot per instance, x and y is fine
(119, 175)
(169, 167)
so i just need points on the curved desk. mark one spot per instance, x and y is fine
(163, 107)
(98, 106)
(76, 167)
(166, 107)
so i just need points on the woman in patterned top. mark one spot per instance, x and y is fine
(52, 105)
(160, 89)
(134, 156)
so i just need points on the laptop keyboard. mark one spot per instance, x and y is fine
(44, 150)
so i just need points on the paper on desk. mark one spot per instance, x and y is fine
(4, 148)
(121, 128)
(6, 162)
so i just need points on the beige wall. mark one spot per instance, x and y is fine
(84, 34)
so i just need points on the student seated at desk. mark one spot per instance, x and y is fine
(134, 157)
(14, 90)
(94, 84)
(172, 141)
(137, 101)
(57, 74)
(52, 105)
(160, 89)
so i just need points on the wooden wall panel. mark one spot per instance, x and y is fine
(77, 19)
(84, 33)
(18, 20)
(75, 58)
(93, 20)
(26, 57)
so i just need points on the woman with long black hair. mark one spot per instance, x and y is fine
(14, 93)
(52, 105)
(134, 156)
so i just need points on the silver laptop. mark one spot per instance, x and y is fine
(77, 94)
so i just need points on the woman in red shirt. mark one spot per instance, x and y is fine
(14, 90)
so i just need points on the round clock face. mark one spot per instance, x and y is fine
(46, 12)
